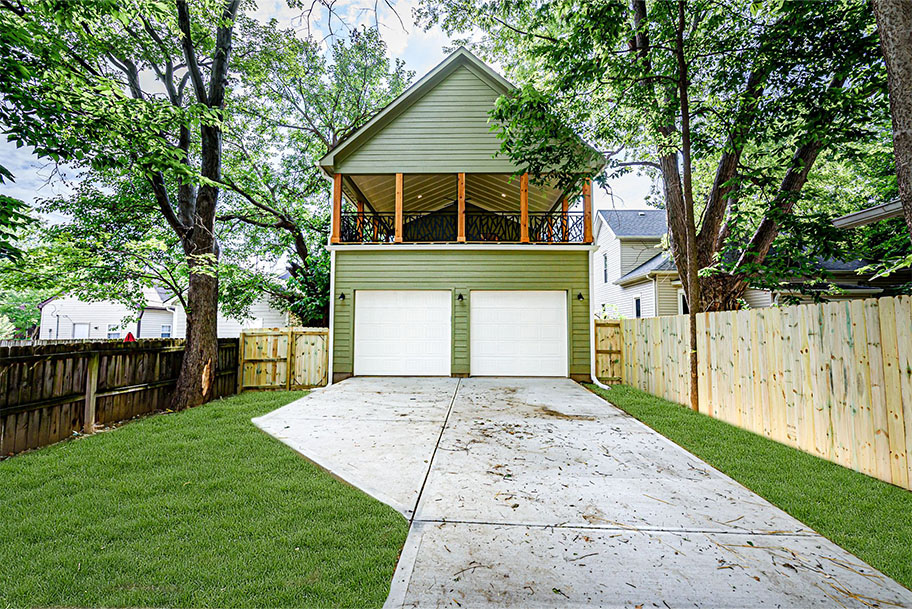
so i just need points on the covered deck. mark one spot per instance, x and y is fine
(457, 208)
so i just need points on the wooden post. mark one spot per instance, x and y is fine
(565, 224)
(524, 208)
(240, 374)
(460, 214)
(337, 208)
(399, 193)
(289, 359)
(587, 211)
(360, 206)
(91, 389)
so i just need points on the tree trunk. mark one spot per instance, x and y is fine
(196, 381)
(692, 269)
(894, 24)
(722, 292)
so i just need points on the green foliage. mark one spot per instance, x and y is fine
(20, 307)
(14, 218)
(765, 81)
(200, 509)
(293, 100)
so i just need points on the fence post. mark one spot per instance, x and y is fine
(289, 359)
(91, 388)
(240, 375)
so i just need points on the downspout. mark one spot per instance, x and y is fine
(592, 343)
(332, 307)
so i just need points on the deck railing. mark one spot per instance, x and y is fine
(442, 227)
(367, 227)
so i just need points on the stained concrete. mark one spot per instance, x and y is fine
(537, 493)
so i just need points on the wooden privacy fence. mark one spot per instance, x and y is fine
(832, 379)
(284, 358)
(47, 392)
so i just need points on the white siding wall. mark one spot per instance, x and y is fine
(667, 295)
(758, 299)
(152, 322)
(623, 257)
(635, 253)
(263, 315)
(60, 315)
(645, 290)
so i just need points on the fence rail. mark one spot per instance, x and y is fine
(284, 358)
(49, 391)
(832, 379)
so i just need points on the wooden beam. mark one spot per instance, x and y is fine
(460, 214)
(337, 208)
(587, 211)
(91, 390)
(565, 220)
(524, 208)
(400, 179)
(360, 207)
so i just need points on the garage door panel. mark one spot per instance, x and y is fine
(402, 333)
(518, 333)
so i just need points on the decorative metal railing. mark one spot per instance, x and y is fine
(367, 227)
(558, 227)
(429, 227)
(492, 226)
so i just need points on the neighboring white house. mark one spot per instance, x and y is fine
(634, 277)
(65, 317)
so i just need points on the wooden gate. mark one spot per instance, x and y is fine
(608, 341)
(283, 358)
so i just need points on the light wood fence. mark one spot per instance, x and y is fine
(608, 338)
(267, 356)
(50, 391)
(832, 379)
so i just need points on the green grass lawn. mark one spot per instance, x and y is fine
(192, 509)
(870, 518)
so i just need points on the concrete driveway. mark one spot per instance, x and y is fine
(537, 493)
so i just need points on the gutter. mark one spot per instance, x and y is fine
(650, 275)
(869, 215)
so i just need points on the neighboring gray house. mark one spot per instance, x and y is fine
(66, 317)
(635, 277)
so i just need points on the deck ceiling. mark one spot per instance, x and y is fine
(434, 191)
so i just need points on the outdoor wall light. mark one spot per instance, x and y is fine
(580, 296)
(460, 297)
(341, 295)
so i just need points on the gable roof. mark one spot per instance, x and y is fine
(439, 125)
(649, 223)
(461, 57)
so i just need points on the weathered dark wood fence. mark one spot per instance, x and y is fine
(50, 391)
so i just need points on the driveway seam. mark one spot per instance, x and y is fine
(427, 474)
(630, 529)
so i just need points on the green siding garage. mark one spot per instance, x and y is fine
(460, 270)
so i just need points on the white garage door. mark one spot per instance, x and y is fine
(402, 333)
(518, 333)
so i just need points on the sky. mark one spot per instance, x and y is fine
(36, 179)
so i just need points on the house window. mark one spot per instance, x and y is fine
(166, 330)
(637, 309)
(682, 303)
(605, 266)
(113, 331)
